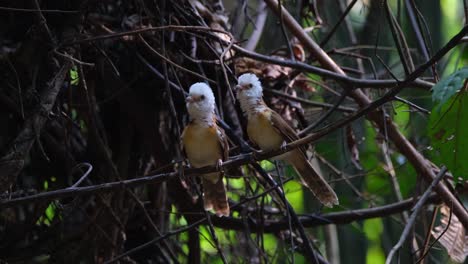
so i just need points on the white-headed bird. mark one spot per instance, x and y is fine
(269, 131)
(205, 144)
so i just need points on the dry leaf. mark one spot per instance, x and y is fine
(353, 147)
(303, 82)
(217, 21)
(454, 240)
(272, 72)
(245, 64)
(297, 49)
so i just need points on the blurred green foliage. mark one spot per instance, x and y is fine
(373, 228)
(448, 87)
(74, 77)
(448, 126)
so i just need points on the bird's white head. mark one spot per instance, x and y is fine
(201, 102)
(249, 92)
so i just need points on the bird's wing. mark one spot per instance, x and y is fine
(286, 130)
(182, 143)
(223, 143)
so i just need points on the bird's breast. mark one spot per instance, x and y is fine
(262, 132)
(202, 145)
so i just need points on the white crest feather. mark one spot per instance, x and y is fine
(250, 97)
(203, 109)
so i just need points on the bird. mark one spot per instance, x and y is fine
(204, 144)
(269, 131)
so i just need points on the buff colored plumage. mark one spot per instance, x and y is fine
(269, 131)
(205, 144)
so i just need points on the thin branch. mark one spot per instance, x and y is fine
(350, 81)
(335, 27)
(283, 31)
(18, 83)
(37, 10)
(412, 105)
(164, 58)
(400, 41)
(411, 10)
(309, 102)
(85, 175)
(258, 26)
(438, 238)
(44, 21)
(145, 30)
(330, 111)
(427, 240)
(336, 218)
(153, 225)
(417, 208)
(156, 240)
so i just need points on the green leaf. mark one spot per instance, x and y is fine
(270, 243)
(237, 183)
(267, 165)
(449, 86)
(295, 195)
(448, 132)
(375, 255)
(373, 228)
(74, 77)
(377, 182)
(402, 116)
(49, 214)
(206, 242)
(50, 211)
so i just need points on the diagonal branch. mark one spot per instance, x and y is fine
(418, 161)
(12, 162)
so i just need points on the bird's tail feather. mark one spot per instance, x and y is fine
(312, 179)
(214, 195)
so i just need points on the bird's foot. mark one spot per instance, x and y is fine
(219, 165)
(256, 154)
(283, 146)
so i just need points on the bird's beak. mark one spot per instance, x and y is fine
(189, 99)
(238, 88)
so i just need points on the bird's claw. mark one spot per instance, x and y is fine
(180, 165)
(283, 146)
(219, 165)
(256, 154)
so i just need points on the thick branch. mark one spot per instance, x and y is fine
(351, 81)
(338, 218)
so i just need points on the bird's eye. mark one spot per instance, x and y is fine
(250, 85)
(202, 97)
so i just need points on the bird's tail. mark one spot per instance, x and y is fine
(214, 194)
(312, 179)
